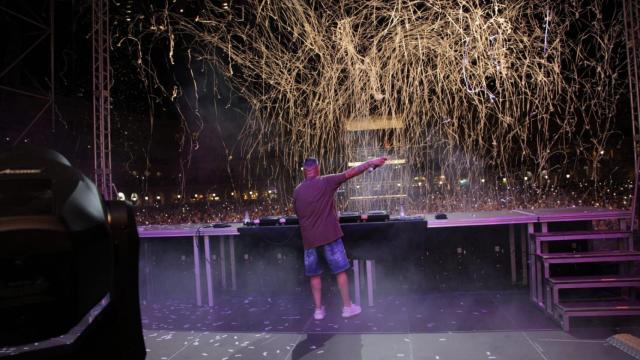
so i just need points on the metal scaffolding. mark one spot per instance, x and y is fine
(46, 95)
(101, 98)
(632, 34)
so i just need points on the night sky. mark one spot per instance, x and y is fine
(137, 148)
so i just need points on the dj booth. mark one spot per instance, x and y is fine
(367, 242)
(464, 251)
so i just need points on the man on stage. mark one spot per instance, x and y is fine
(314, 203)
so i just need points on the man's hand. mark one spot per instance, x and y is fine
(377, 162)
(371, 164)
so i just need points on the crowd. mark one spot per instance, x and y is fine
(223, 211)
(204, 212)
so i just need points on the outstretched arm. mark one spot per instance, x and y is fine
(357, 170)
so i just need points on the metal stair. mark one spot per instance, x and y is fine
(555, 284)
(627, 278)
(595, 308)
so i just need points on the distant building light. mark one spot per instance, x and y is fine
(179, 196)
(568, 176)
(146, 198)
(482, 180)
(121, 196)
(158, 197)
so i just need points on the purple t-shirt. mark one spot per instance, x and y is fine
(314, 203)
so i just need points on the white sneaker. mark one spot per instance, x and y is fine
(350, 311)
(319, 314)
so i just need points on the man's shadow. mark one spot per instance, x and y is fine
(347, 346)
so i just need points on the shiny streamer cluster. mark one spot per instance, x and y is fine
(480, 89)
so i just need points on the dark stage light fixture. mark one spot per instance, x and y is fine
(68, 264)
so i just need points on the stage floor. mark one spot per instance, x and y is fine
(508, 345)
(477, 325)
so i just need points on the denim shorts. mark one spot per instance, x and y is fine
(334, 255)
